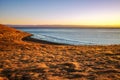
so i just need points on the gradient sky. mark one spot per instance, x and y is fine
(60, 12)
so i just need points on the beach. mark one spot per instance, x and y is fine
(26, 58)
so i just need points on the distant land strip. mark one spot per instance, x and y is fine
(65, 26)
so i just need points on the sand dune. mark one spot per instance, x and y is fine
(24, 58)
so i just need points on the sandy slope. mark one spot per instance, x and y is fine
(23, 58)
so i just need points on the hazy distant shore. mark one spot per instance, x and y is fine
(65, 26)
(26, 58)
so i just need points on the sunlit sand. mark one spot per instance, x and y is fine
(25, 58)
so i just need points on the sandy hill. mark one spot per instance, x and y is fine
(8, 34)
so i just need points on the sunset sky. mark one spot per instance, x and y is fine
(60, 12)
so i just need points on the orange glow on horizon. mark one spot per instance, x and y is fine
(106, 23)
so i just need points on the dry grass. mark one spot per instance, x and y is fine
(37, 60)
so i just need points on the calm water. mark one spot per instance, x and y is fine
(77, 36)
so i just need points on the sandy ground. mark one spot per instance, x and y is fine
(24, 58)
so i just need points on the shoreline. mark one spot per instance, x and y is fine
(23, 57)
(29, 38)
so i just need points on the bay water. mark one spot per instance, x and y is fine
(76, 36)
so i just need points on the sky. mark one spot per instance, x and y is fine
(60, 12)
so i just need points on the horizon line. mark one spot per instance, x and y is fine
(62, 25)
